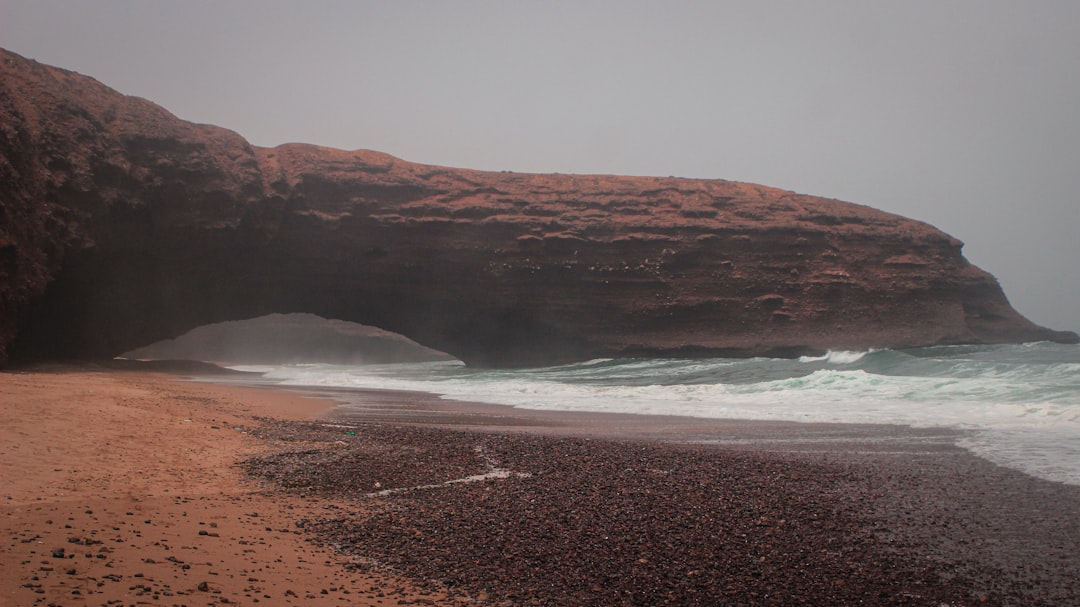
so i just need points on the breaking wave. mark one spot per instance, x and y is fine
(1019, 403)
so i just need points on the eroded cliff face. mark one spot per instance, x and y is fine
(121, 225)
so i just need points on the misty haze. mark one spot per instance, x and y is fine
(483, 303)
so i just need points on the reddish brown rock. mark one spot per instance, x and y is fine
(121, 225)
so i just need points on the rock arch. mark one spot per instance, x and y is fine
(122, 225)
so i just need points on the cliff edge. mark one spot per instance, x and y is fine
(121, 225)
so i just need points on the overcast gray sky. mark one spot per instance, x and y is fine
(963, 114)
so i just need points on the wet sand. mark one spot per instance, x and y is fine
(138, 488)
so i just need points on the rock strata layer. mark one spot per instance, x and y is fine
(121, 224)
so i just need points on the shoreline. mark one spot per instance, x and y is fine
(838, 439)
(412, 406)
(835, 501)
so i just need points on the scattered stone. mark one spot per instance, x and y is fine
(609, 522)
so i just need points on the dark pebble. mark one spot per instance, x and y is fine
(621, 522)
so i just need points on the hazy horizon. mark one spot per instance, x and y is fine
(960, 114)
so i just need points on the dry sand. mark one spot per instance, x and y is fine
(121, 488)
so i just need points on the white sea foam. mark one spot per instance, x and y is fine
(1020, 404)
(838, 357)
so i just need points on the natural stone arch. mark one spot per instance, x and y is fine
(122, 225)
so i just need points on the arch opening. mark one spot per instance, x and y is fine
(294, 338)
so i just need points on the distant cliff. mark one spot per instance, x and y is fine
(121, 225)
(289, 338)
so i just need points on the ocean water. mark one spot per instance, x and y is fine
(1019, 405)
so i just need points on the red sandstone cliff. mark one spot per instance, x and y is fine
(121, 225)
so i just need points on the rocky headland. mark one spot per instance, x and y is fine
(121, 225)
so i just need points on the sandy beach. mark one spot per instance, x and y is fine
(136, 488)
(122, 488)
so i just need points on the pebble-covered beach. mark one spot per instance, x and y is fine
(528, 519)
